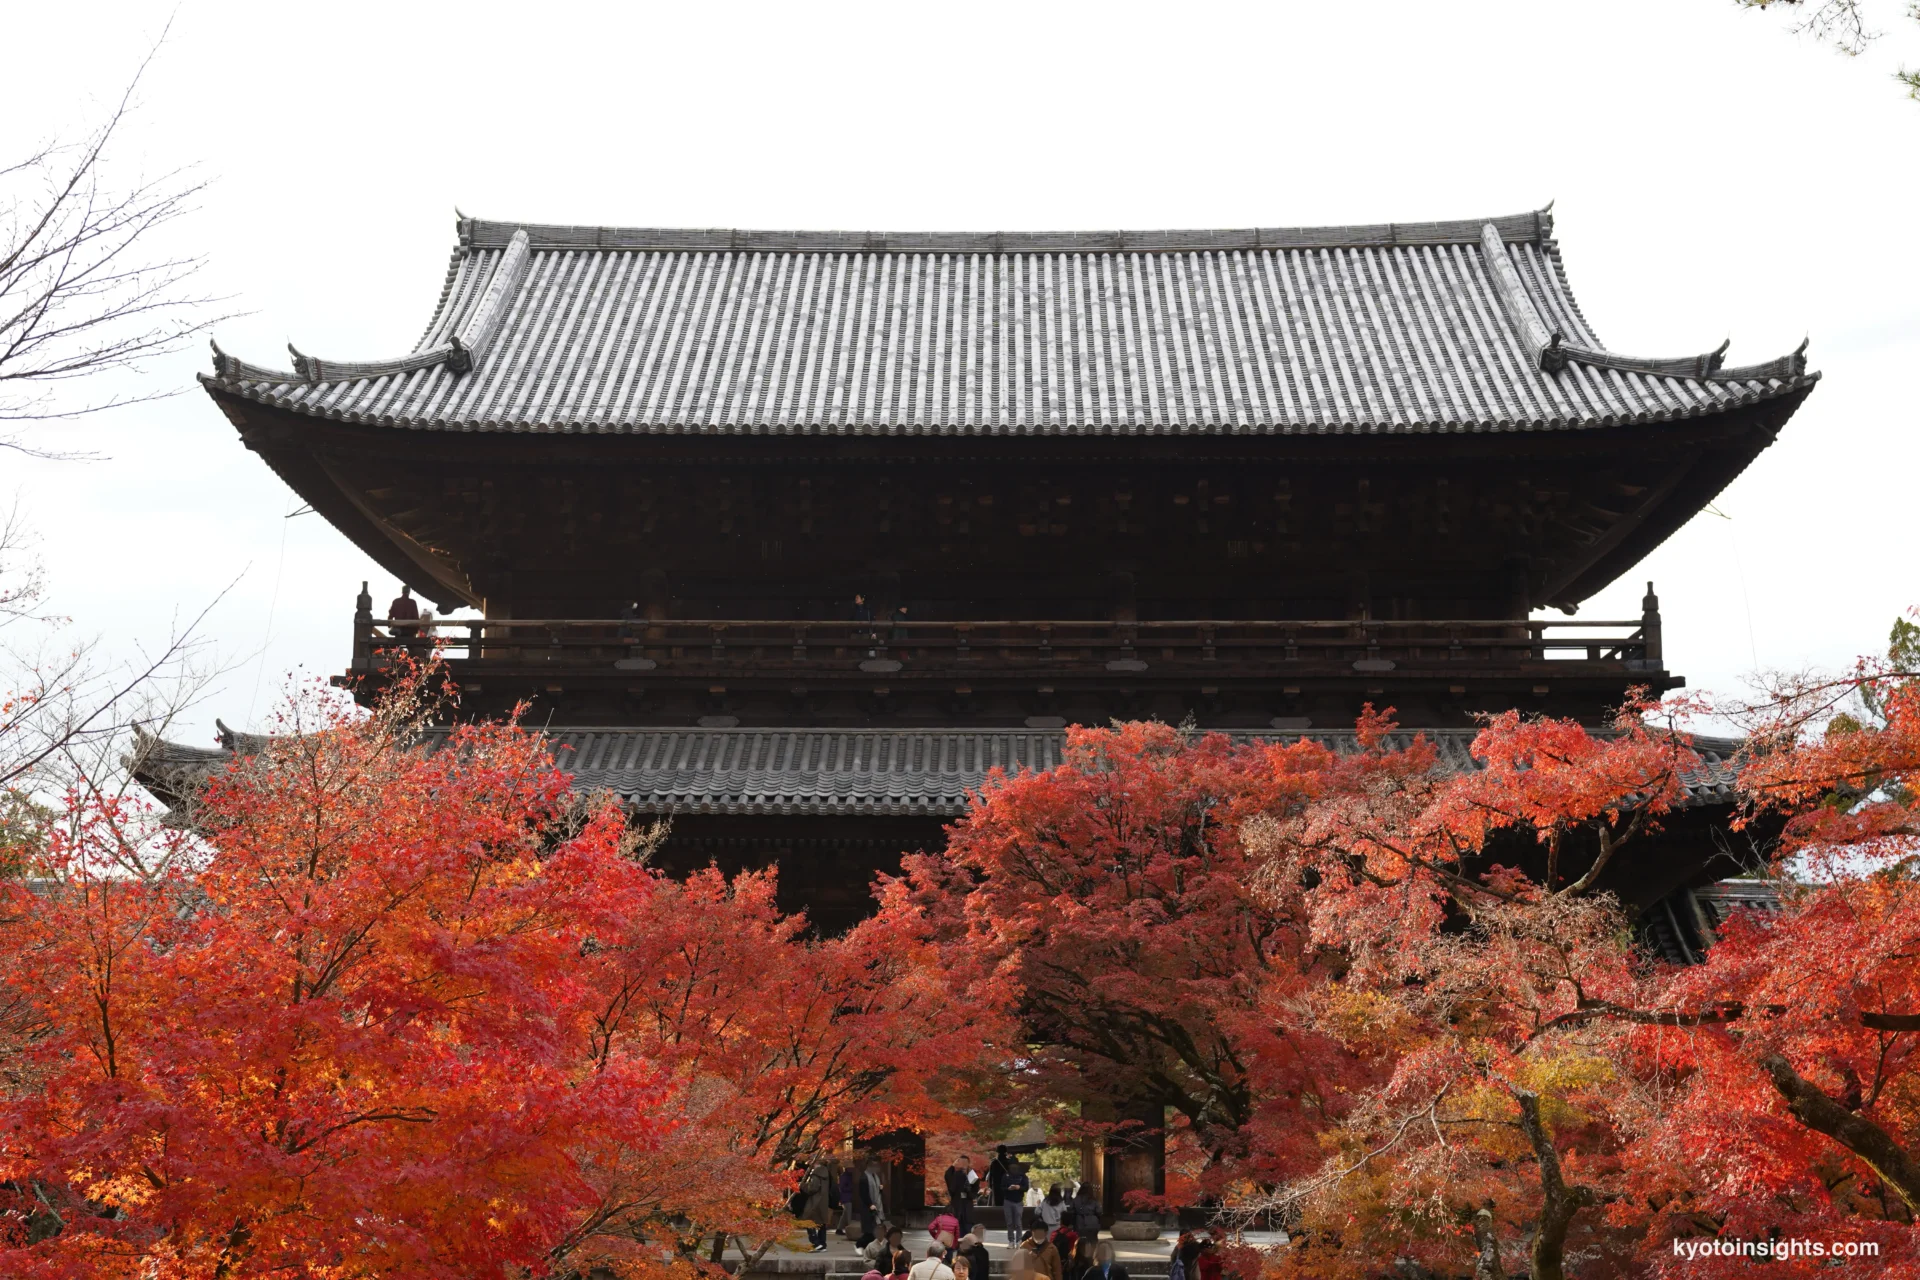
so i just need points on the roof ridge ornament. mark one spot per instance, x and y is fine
(1542, 344)
(1552, 353)
(312, 369)
(233, 369)
(1784, 368)
(1521, 228)
(483, 324)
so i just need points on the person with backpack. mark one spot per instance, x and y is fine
(1044, 1260)
(1086, 1213)
(813, 1204)
(1177, 1261)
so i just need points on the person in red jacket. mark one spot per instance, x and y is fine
(1207, 1265)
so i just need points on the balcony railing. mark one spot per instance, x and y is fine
(699, 646)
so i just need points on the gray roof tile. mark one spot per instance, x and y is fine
(900, 771)
(923, 772)
(1399, 327)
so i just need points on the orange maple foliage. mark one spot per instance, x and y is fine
(1800, 1115)
(1641, 1118)
(1110, 906)
(1478, 986)
(413, 1012)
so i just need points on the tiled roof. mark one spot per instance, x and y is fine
(923, 772)
(1456, 326)
(1680, 927)
(891, 771)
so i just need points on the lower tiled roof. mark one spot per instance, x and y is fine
(894, 771)
(1680, 928)
(811, 772)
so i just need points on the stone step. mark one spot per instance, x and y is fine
(1139, 1269)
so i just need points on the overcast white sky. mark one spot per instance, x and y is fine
(1715, 177)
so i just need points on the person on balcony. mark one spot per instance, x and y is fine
(862, 615)
(404, 609)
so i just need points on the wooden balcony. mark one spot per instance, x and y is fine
(990, 671)
(1100, 649)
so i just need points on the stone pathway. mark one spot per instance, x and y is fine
(1146, 1259)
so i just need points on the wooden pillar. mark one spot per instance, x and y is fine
(1093, 1151)
(1650, 627)
(903, 1161)
(1136, 1155)
(363, 630)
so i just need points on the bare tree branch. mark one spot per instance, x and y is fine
(82, 292)
(1840, 23)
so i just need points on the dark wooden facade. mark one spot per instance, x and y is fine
(1149, 531)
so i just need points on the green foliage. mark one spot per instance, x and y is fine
(1051, 1165)
(1903, 660)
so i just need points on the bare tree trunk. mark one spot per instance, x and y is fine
(1814, 1109)
(1561, 1202)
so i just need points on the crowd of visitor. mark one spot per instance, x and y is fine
(1056, 1237)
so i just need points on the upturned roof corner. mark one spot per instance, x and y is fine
(1551, 351)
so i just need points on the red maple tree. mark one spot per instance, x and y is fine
(1800, 1115)
(1110, 907)
(412, 1008)
(1479, 986)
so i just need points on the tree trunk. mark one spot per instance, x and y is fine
(1863, 1137)
(1560, 1201)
